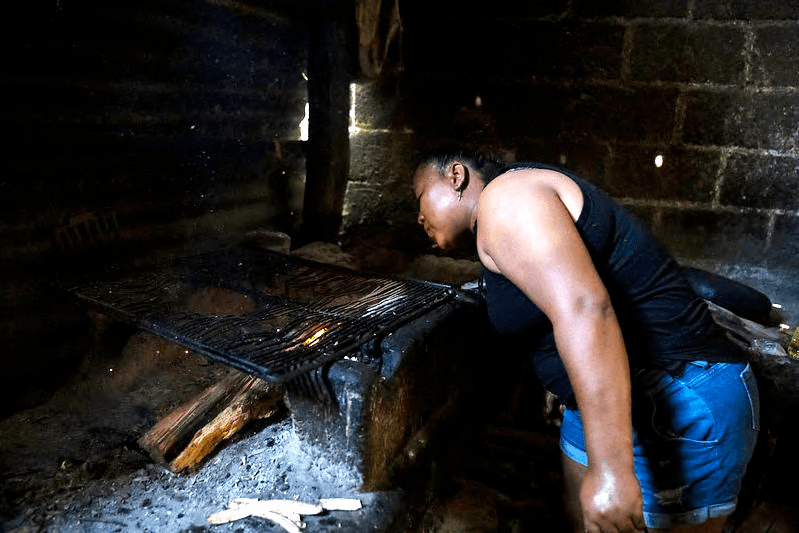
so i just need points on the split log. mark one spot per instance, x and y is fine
(255, 400)
(188, 434)
(162, 441)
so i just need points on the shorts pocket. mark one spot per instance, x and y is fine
(680, 414)
(750, 384)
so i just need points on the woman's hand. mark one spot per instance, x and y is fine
(611, 501)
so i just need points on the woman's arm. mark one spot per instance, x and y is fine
(528, 234)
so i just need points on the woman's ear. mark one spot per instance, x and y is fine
(458, 175)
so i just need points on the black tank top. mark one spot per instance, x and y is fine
(661, 318)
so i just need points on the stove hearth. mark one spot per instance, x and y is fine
(375, 369)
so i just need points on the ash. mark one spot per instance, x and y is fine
(73, 464)
(268, 464)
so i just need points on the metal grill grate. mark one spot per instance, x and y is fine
(305, 314)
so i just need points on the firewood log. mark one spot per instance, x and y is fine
(256, 399)
(163, 440)
(188, 434)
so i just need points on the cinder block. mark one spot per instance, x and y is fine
(518, 111)
(777, 59)
(360, 202)
(736, 9)
(627, 115)
(763, 181)
(517, 50)
(631, 8)
(385, 417)
(784, 250)
(589, 159)
(764, 121)
(770, 122)
(372, 107)
(647, 214)
(564, 49)
(684, 174)
(381, 158)
(710, 117)
(429, 101)
(684, 53)
(710, 235)
(512, 9)
(573, 50)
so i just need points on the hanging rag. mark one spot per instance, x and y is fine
(378, 25)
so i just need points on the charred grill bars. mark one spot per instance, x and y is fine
(303, 314)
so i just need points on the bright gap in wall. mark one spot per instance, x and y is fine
(353, 129)
(353, 96)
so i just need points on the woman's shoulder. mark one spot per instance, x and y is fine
(525, 179)
(526, 187)
(514, 187)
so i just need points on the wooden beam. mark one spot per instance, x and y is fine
(328, 149)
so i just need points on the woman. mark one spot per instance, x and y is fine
(661, 413)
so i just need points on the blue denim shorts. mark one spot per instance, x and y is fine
(693, 437)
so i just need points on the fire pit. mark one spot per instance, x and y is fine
(374, 367)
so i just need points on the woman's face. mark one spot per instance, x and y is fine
(440, 212)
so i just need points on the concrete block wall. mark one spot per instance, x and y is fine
(603, 88)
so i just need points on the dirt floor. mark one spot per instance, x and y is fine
(73, 463)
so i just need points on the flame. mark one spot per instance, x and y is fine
(313, 339)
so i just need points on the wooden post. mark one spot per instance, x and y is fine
(328, 148)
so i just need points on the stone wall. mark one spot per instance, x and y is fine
(604, 88)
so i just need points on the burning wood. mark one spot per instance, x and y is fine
(188, 434)
(313, 339)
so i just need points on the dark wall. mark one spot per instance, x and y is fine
(603, 88)
(148, 110)
(131, 129)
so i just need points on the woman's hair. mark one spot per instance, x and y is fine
(486, 164)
